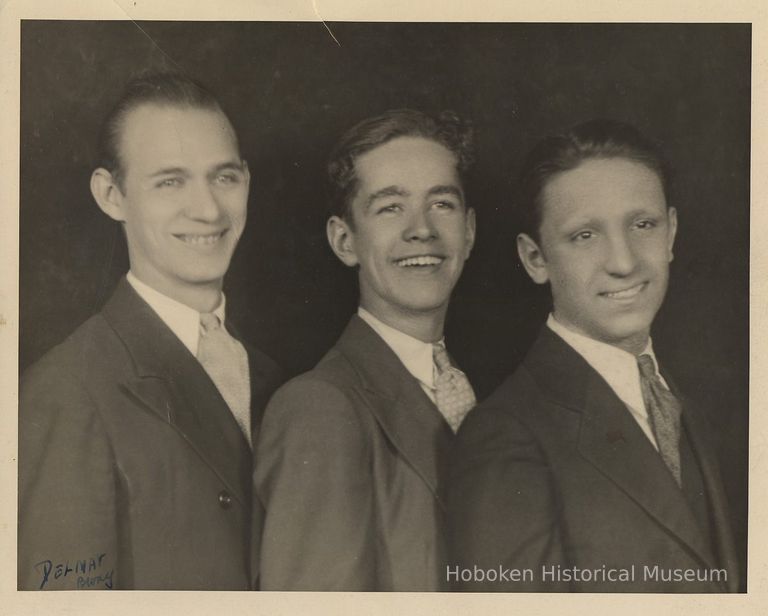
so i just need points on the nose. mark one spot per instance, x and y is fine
(621, 259)
(203, 204)
(419, 227)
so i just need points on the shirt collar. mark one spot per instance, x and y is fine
(182, 320)
(415, 355)
(617, 367)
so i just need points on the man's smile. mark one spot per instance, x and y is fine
(420, 261)
(196, 239)
(625, 294)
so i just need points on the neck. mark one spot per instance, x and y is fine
(427, 326)
(203, 297)
(634, 344)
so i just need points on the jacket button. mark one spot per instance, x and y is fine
(225, 499)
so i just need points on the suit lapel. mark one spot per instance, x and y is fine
(611, 440)
(171, 383)
(405, 413)
(714, 488)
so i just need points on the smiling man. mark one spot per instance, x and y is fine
(350, 457)
(135, 433)
(587, 470)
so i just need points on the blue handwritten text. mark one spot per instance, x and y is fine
(54, 571)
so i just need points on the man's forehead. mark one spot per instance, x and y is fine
(151, 116)
(610, 186)
(151, 131)
(407, 159)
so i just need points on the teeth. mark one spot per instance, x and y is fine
(200, 240)
(626, 293)
(425, 260)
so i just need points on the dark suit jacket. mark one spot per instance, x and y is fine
(552, 470)
(349, 465)
(132, 471)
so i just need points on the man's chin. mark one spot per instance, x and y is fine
(205, 274)
(426, 306)
(212, 278)
(205, 281)
(632, 337)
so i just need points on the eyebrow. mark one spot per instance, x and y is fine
(570, 226)
(445, 189)
(169, 171)
(388, 191)
(398, 191)
(231, 165)
(644, 211)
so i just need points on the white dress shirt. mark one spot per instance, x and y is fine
(415, 355)
(617, 367)
(181, 319)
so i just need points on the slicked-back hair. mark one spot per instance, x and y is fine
(159, 88)
(596, 139)
(446, 129)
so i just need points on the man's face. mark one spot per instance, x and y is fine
(606, 243)
(184, 196)
(411, 231)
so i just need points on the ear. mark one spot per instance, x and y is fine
(470, 227)
(246, 172)
(342, 240)
(107, 194)
(671, 231)
(532, 259)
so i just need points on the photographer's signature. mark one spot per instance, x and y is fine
(89, 571)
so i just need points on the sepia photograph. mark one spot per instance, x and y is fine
(448, 307)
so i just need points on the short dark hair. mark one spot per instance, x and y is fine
(446, 129)
(159, 88)
(596, 139)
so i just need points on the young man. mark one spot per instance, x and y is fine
(350, 456)
(587, 470)
(134, 434)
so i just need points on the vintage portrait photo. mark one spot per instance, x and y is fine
(447, 306)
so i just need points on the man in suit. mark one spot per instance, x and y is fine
(350, 456)
(134, 433)
(587, 470)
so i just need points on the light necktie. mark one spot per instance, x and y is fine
(664, 412)
(226, 362)
(453, 392)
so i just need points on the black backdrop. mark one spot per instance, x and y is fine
(291, 90)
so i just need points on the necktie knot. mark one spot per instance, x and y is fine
(453, 393)
(646, 366)
(209, 321)
(440, 355)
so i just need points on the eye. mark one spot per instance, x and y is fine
(173, 182)
(390, 208)
(228, 178)
(444, 204)
(582, 236)
(646, 224)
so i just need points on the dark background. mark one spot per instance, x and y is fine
(292, 90)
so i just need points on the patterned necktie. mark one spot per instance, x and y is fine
(664, 412)
(453, 393)
(226, 362)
